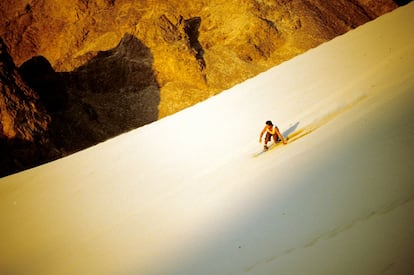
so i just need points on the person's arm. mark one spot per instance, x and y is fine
(280, 135)
(262, 133)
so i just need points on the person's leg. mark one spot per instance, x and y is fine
(276, 138)
(280, 137)
(267, 139)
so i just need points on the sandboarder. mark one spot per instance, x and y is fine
(270, 131)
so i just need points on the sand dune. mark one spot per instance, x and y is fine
(186, 194)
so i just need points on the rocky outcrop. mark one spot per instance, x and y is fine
(114, 92)
(63, 112)
(199, 48)
(104, 67)
(24, 121)
(21, 114)
(38, 73)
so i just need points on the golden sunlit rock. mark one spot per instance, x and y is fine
(199, 47)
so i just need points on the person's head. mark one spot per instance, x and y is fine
(269, 123)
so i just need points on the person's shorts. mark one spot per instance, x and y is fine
(268, 138)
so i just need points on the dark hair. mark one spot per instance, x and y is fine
(269, 123)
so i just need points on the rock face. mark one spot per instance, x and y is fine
(22, 117)
(112, 93)
(38, 73)
(104, 67)
(199, 48)
(23, 120)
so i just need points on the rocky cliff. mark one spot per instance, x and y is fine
(22, 115)
(23, 120)
(199, 47)
(103, 67)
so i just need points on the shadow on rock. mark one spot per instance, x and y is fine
(114, 92)
(38, 73)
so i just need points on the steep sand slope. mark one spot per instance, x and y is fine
(184, 195)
